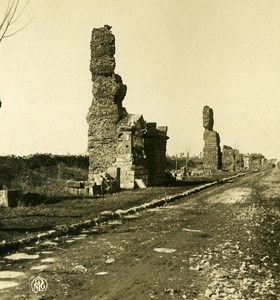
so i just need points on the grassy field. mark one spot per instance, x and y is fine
(23, 220)
(49, 211)
(45, 205)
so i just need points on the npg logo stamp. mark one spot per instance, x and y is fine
(39, 284)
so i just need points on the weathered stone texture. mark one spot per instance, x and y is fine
(256, 161)
(106, 109)
(212, 151)
(155, 149)
(117, 139)
(208, 118)
(130, 156)
(247, 161)
(102, 51)
(232, 160)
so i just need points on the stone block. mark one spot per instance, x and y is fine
(115, 172)
(140, 183)
(72, 191)
(131, 172)
(95, 190)
(127, 185)
(75, 184)
(10, 198)
(84, 192)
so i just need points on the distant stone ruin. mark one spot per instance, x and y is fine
(120, 144)
(254, 161)
(212, 155)
(232, 160)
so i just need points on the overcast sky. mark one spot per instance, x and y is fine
(175, 56)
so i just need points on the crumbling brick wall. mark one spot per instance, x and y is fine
(212, 155)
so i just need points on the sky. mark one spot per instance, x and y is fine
(175, 56)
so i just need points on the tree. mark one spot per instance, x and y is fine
(11, 16)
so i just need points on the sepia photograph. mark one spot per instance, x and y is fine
(139, 157)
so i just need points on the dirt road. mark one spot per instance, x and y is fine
(207, 246)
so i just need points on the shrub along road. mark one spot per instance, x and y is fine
(222, 243)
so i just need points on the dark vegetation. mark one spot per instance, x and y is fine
(178, 162)
(22, 221)
(46, 174)
(42, 173)
(46, 204)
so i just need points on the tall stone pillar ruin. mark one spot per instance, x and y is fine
(212, 155)
(116, 139)
(106, 109)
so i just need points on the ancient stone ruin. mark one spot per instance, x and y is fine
(212, 155)
(120, 144)
(10, 198)
(232, 160)
(254, 161)
(106, 108)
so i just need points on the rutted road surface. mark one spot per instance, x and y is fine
(202, 247)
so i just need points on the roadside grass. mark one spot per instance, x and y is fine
(44, 207)
(20, 221)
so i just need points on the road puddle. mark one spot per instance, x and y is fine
(136, 216)
(164, 250)
(39, 268)
(7, 284)
(154, 210)
(10, 274)
(19, 256)
(48, 260)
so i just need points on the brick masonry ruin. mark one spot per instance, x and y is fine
(212, 156)
(118, 142)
